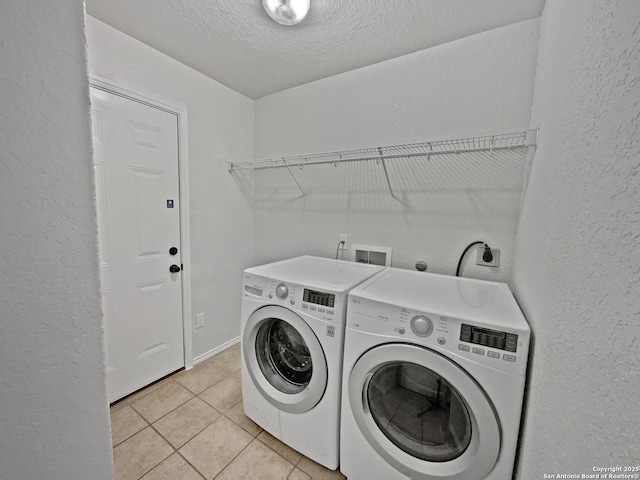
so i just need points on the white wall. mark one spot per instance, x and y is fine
(474, 86)
(577, 264)
(220, 129)
(54, 419)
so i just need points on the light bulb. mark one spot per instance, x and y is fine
(287, 12)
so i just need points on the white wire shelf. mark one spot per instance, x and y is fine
(425, 149)
(487, 143)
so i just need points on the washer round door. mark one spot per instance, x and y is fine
(284, 359)
(424, 414)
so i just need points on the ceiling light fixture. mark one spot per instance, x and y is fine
(286, 12)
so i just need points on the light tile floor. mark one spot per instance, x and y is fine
(191, 425)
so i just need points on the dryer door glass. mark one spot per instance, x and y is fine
(419, 411)
(283, 356)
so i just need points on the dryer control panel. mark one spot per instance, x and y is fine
(474, 340)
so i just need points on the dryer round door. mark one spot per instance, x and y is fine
(284, 359)
(423, 414)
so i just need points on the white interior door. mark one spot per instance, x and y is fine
(136, 170)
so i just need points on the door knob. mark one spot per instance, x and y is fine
(173, 251)
(174, 269)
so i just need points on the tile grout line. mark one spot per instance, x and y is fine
(191, 465)
(132, 435)
(150, 424)
(247, 446)
(157, 464)
(192, 437)
(255, 437)
(295, 465)
(230, 461)
(205, 388)
(176, 450)
(193, 395)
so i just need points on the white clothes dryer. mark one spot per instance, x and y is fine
(292, 321)
(433, 378)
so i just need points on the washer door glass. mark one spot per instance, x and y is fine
(423, 413)
(419, 411)
(283, 356)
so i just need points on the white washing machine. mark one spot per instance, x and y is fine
(433, 378)
(293, 315)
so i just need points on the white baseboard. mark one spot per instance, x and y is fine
(211, 353)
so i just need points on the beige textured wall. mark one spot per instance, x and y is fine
(577, 263)
(478, 85)
(54, 418)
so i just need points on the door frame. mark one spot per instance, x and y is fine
(180, 110)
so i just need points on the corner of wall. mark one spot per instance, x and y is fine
(576, 265)
(51, 344)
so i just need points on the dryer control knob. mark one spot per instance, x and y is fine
(282, 291)
(421, 326)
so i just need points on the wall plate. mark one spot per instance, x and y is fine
(496, 257)
(372, 255)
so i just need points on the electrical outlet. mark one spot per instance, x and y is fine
(345, 239)
(493, 263)
(200, 320)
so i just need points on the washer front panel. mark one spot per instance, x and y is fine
(293, 377)
(470, 445)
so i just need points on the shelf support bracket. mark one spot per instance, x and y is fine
(386, 174)
(532, 136)
(294, 177)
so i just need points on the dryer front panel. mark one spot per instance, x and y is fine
(423, 414)
(284, 359)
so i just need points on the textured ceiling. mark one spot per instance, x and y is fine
(237, 44)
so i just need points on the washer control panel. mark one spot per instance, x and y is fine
(282, 291)
(320, 304)
(319, 298)
(487, 337)
(421, 326)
